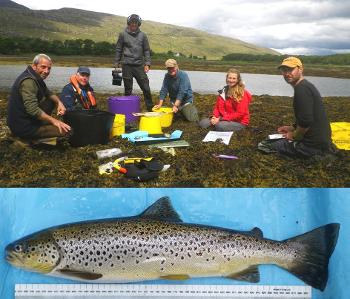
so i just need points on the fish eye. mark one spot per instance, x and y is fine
(18, 248)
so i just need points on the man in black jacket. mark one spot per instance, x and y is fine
(31, 104)
(310, 135)
(134, 54)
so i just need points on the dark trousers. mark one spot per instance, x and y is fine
(137, 72)
(291, 149)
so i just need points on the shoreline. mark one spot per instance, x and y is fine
(333, 71)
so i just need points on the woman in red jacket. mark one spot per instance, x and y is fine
(231, 111)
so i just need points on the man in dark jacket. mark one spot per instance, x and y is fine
(310, 135)
(134, 54)
(31, 104)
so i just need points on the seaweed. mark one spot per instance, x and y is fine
(193, 166)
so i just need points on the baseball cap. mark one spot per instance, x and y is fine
(171, 63)
(83, 70)
(291, 62)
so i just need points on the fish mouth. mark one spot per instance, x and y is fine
(12, 258)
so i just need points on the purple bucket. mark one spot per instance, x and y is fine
(125, 105)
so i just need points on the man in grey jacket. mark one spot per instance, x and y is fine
(134, 54)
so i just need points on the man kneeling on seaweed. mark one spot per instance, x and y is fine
(31, 104)
(311, 133)
(78, 94)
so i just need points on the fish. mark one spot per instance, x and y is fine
(157, 244)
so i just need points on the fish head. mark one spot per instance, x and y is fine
(37, 253)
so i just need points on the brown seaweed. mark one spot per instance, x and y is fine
(194, 166)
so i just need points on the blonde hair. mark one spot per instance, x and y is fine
(237, 91)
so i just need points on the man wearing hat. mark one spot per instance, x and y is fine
(177, 84)
(78, 94)
(134, 54)
(31, 104)
(310, 135)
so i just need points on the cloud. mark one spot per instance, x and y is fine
(308, 26)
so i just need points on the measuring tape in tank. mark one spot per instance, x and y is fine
(92, 291)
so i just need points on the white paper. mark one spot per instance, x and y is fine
(107, 153)
(276, 136)
(215, 135)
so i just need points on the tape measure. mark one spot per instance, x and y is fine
(134, 291)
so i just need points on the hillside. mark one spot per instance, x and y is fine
(69, 23)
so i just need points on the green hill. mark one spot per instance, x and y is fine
(69, 23)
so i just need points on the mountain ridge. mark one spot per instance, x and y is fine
(71, 23)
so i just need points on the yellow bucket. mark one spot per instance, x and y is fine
(118, 125)
(341, 135)
(151, 124)
(166, 118)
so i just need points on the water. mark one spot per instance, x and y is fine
(202, 82)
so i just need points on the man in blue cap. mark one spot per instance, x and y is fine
(134, 54)
(78, 94)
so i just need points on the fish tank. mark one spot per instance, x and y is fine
(279, 213)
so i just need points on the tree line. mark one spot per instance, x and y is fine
(23, 45)
(337, 59)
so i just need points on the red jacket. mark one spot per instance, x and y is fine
(230, 110)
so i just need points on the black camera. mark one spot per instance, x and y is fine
(117, 77)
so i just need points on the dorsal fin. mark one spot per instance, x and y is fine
(257, 232)
(162, 209)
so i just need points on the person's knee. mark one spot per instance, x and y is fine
(221, 126)
(192, 117)
(204, 123)
(190, 112)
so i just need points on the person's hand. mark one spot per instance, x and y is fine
(156, 107)
(285, 129)
(146, 68)
(214, 120)
(61, 109)
(175, 109)
(62, 127)
(289, 136)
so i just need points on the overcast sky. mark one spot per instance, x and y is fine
(288, 26)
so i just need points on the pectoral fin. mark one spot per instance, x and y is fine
(176, 277)
(250, 274)
(80, 274)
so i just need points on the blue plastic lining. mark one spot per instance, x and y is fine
(279, 213)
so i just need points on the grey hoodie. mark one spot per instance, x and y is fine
(134, 48)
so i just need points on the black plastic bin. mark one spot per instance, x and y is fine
(89, 126)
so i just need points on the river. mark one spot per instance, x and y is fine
(202, 82)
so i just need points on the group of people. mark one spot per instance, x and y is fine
(31, 103)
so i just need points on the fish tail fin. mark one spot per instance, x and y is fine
(311, 262)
